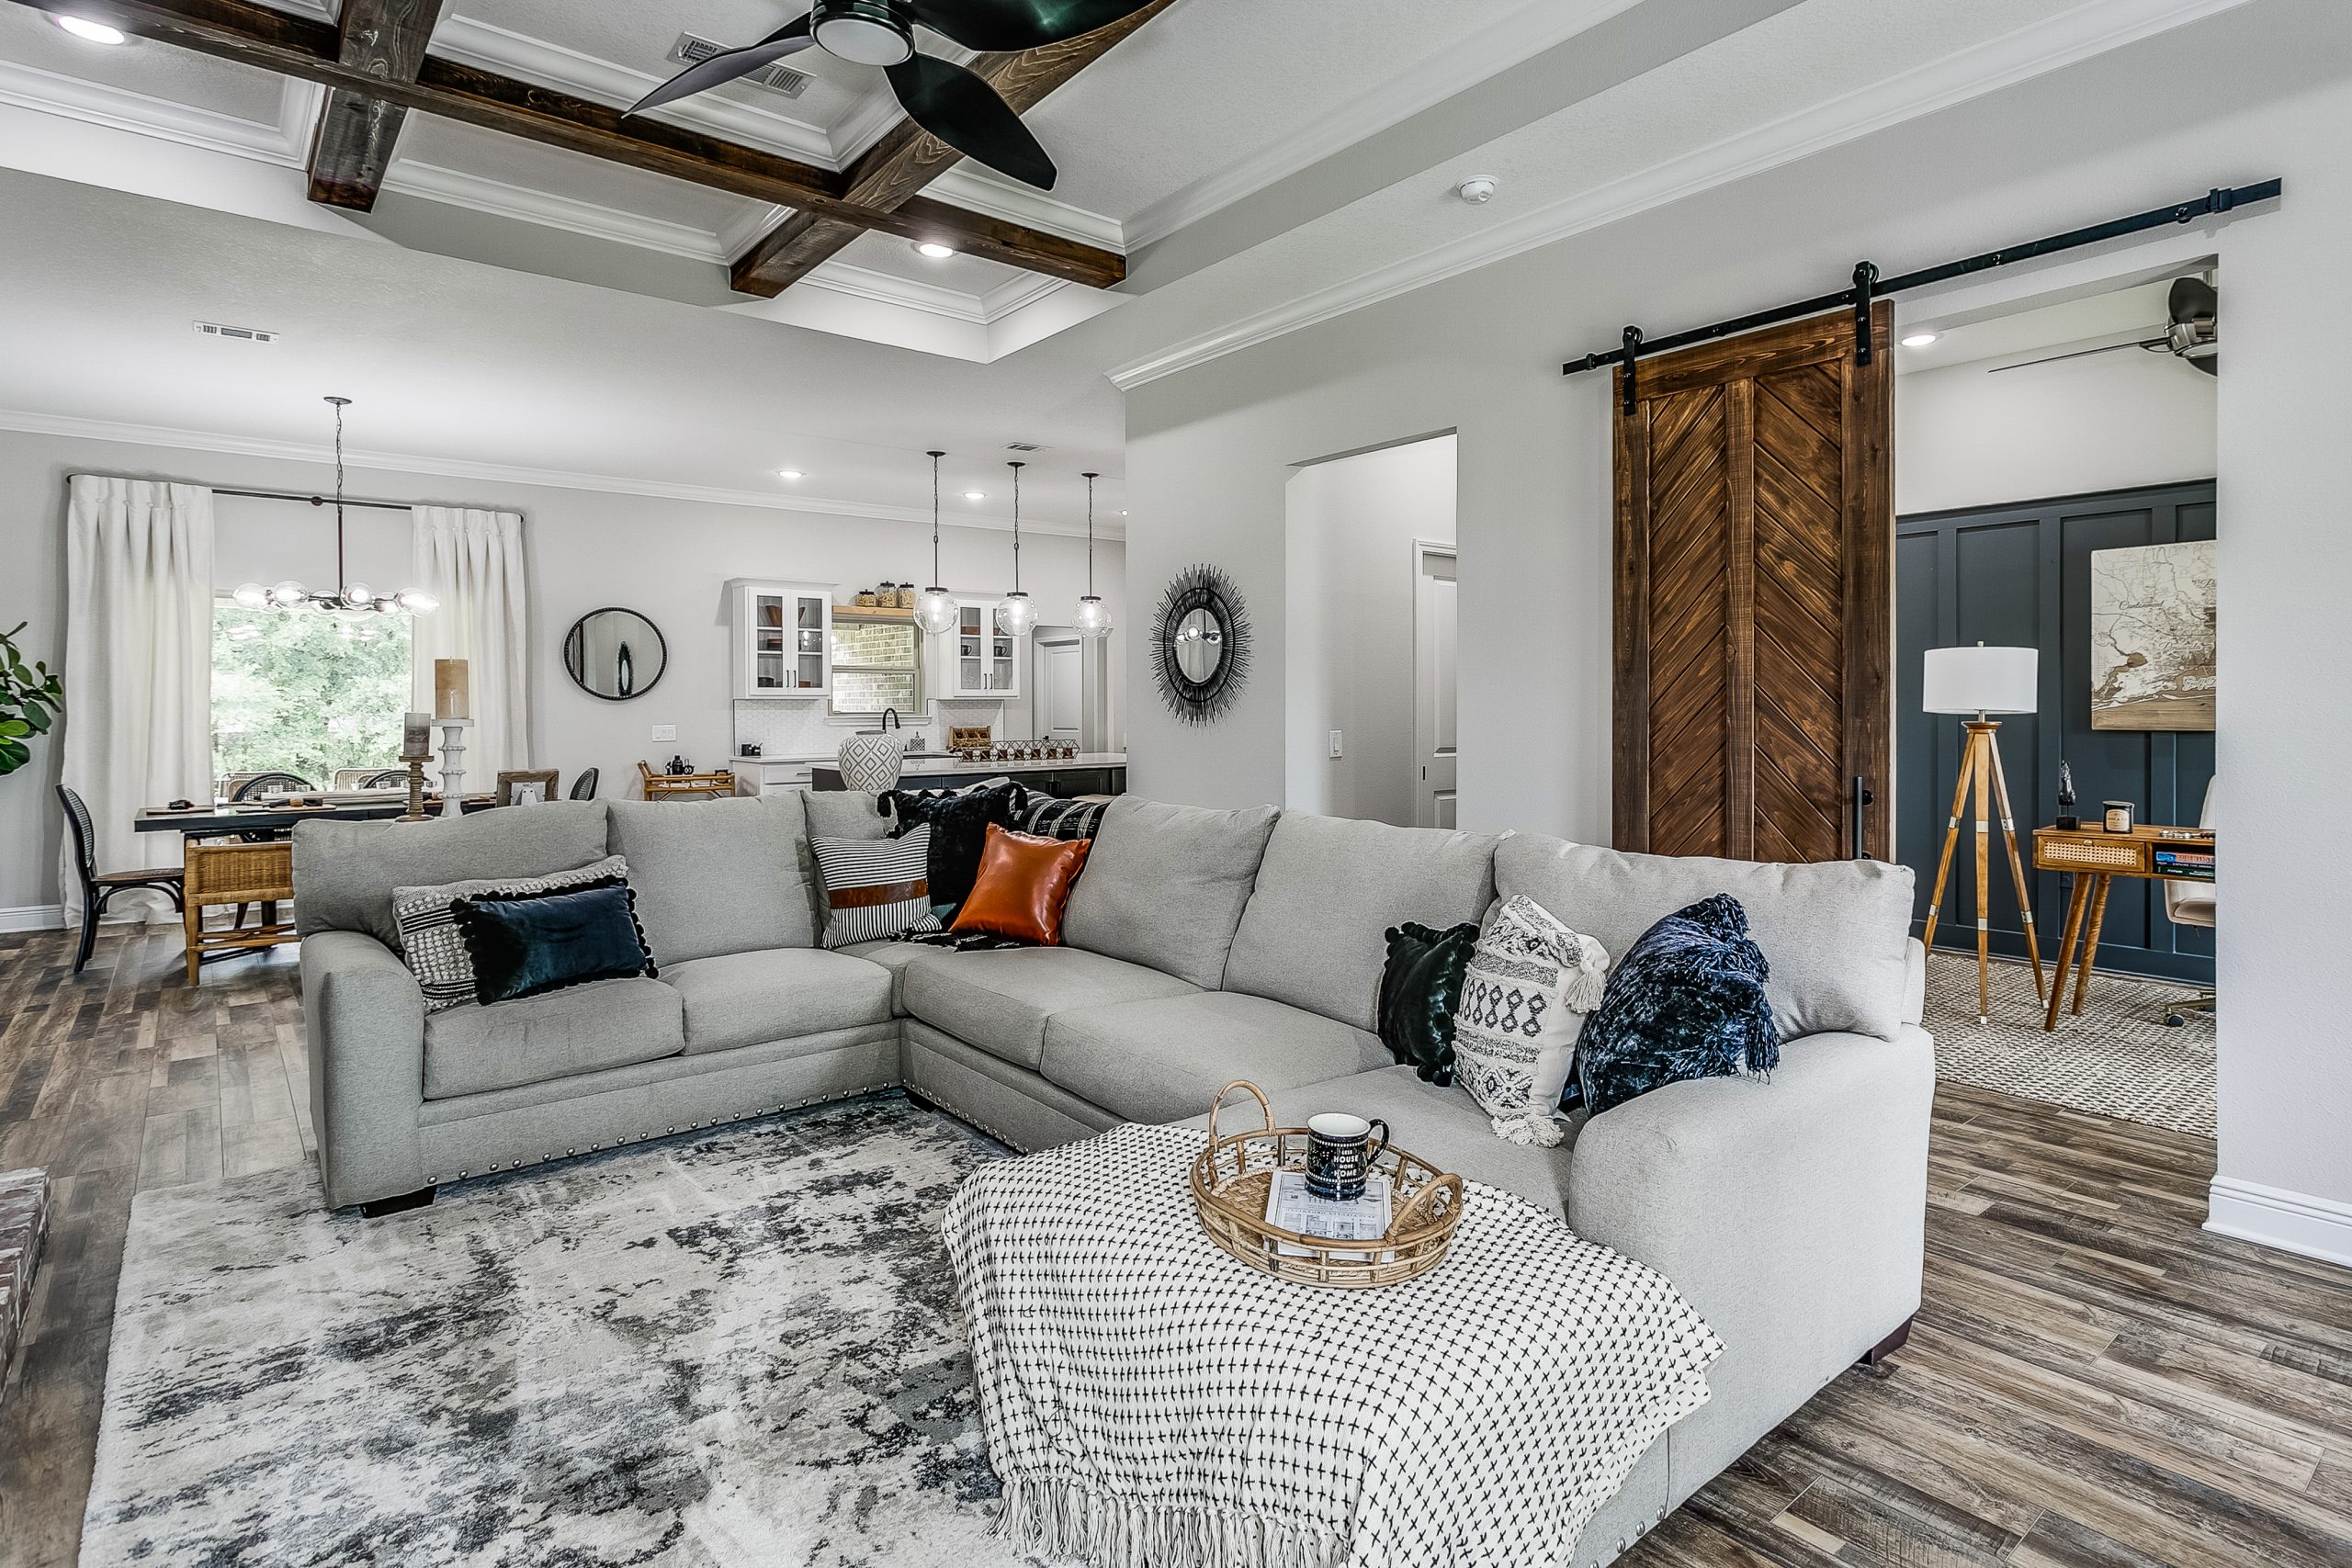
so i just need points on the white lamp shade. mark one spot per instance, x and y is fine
(1981, 679)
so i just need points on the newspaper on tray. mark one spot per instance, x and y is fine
(1292, 1207)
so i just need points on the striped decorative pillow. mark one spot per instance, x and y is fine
(1067, 820)
(430, 941)
(875, 889)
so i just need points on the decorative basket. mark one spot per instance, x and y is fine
(1231, 1178)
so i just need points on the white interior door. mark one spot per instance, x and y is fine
(1061, 710)
(1434, 686)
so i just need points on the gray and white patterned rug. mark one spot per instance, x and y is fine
(2117, 1059)
(735, 1348)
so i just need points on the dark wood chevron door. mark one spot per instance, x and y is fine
(1754, 596)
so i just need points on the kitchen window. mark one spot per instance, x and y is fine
(878, 664)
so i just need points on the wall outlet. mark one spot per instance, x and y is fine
(1335, 743)
(665, 732)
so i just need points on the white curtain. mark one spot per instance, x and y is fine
(472, 561)
(138, 667)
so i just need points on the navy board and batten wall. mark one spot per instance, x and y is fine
(2019, 575)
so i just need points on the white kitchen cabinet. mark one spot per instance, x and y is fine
(768, 775)
(982, 661)
(782, 638)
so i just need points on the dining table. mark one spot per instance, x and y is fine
(216, 818)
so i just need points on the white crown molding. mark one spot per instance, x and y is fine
(2272, 1217)
(748, 226)
(1450, 71)
(966, 184)
(71, 97)
(33, 918)
(482, 194)
(887, 288)
(1018, 293)
(490, 47)
(2062, 40)
(30, 423)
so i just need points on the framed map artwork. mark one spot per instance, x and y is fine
(2151, 637)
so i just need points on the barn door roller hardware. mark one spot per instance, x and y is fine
(1869, 286)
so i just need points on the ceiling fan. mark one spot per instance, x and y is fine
(2190, 333)
(948, 101)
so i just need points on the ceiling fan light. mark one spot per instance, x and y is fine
(864, 33)
(1093, 618)
(937, 611)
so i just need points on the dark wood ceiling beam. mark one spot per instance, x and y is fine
(907, 157)
(356, 130)
(306, 48)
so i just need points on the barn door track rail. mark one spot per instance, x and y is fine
(1869, 286)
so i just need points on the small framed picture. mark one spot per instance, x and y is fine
(531, 787)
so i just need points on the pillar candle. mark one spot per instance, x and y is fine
(416, 736)
(451, 694)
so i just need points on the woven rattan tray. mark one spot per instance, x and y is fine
(1230, 1178)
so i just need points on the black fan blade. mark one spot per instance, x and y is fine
(700, 77)
(999, 26)
(2191, 297)
(964, 112)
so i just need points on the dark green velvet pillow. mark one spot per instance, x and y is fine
(526, 944)
(1419, 988)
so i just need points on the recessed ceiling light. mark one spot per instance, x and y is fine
(788, 473)
(83, 28)
(976, 495)
(1918, 339)
(934, 250)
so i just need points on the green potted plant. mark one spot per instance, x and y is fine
(31, 700)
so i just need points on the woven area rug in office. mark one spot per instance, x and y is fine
(2119, 1058)
(732, 1348)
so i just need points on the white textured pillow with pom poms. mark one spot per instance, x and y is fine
(1524, 997)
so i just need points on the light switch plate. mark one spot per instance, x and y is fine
(1335, 743)
(665, 732)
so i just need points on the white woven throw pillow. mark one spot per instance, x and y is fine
(437, 953)
(1524, 997)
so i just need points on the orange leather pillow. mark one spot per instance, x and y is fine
(1023, 884)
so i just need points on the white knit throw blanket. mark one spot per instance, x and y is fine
(1151, 1403)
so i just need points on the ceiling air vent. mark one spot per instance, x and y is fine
(1024, 447)
(779, 79)
(239, 334)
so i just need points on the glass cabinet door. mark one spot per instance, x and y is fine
(768, 647)
(972, 635)
(809, 644)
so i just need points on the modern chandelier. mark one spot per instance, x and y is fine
(1093, 618)
(349, 597)
(1016, 611)
(935, 608)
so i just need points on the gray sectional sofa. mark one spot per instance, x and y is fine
(1199, 946)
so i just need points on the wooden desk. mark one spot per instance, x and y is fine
(2097, 858)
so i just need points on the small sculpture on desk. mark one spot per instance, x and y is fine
(679, 767)
(2066, 818)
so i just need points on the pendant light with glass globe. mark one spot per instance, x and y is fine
(1016, 611)
(349, 598)
(936, 609)
(1093, 618)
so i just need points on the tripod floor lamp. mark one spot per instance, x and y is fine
(1983, 681)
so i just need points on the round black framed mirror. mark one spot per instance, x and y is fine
(615, 654)
(1200, 644)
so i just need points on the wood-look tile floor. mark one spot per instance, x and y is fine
(2094, 1383)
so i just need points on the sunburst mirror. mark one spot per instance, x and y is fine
(1200, 644)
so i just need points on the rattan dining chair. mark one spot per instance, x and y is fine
(242, 874)
(255, 786)
(98, 887)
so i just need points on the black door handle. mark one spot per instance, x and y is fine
(1862, 796)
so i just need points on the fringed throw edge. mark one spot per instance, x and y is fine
(1054, 1518)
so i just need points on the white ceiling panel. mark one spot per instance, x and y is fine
(153, 70)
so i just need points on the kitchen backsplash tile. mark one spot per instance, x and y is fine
(808, 730)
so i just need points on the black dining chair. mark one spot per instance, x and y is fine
(98, 887)
(584, 787)
(387, 778)
(260, 785)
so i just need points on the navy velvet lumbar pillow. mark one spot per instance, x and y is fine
(526, 944)
(1419, 988)
(1686, 1001)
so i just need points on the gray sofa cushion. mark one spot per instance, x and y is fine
(779, 993)
(1001, 1000)
(716, 876)
(1836, 934)
(1165, 886)
(1329, 889)
(1165, 1060)
(607, 1023)
(894, 956)
(1443, 1126)
(344, 872)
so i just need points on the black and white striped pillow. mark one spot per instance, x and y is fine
(875, 889)
(1069, 820)
(436, 950)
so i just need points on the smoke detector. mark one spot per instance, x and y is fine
(1478, 190)
(783, 80)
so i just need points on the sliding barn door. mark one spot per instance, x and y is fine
(1754, 596)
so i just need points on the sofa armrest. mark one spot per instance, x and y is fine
(365, 1016)
(1914, 983)
(1791, 1214)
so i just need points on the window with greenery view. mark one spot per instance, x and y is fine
(305, 692)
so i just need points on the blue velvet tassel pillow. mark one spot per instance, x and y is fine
(1687, 1001)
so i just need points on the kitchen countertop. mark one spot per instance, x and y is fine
(928, 767)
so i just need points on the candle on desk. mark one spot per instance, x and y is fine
(451, 694)
(416, 736)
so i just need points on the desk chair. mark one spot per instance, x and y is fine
(2190, 903)
(98, 887)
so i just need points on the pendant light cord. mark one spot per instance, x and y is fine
(1089, 535)
(340, 575)
(1016, 469)
(934, 517)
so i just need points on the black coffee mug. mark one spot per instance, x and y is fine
(1339, 1153)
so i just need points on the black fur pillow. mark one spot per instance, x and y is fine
(959, 822)
(1686, 1001)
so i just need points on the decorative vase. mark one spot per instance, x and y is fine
(872, 759)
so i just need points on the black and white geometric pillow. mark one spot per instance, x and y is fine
(435, 949)
(875, 889)
(1524, 997)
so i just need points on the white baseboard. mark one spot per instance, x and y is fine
(2292, 1222)
(32, 918)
